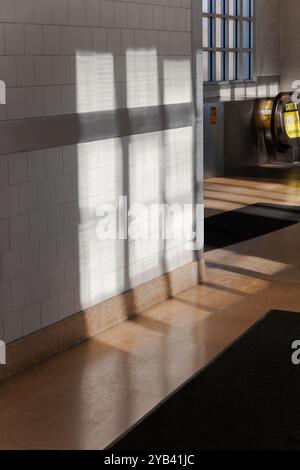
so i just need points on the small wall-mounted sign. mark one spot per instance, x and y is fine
(213, 116)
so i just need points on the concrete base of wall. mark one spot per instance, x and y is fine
(31, 350)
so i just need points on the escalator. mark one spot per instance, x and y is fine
(278, 126)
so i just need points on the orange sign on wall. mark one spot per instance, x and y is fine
(213, 116)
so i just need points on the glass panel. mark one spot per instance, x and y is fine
(205, 29)
(218, 32)
(246, 35)
(238, 33)
(224, 33)
(251, 7)
(219, 7)
(232, 34)
(211, 63)
(225, 7)
(246, 65)
(211, 32)
(247, 7)
(232, 7)
(224, 65)
(206, 6)
(237, 66)
(251, 34)
(232, 66)
(206, 66)
(219, 66)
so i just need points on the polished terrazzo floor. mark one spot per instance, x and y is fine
(87, 396)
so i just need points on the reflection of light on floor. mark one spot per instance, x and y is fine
(293, 195)
(259, 265)
(227, 194)
(269, 267)
(240, 198)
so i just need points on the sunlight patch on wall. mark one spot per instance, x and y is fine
(151, 168)
(177, 81)
(142, 78)
(99, 184)
(95, 82)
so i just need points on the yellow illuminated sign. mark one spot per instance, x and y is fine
(292, 124)
(291, 107)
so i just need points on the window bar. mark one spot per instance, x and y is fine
(241, 40)
(214, 39)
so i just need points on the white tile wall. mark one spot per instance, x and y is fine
(52, 263)
(42, 38)
(64, 56)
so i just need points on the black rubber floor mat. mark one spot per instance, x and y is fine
(248, 398)
(230, 228)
